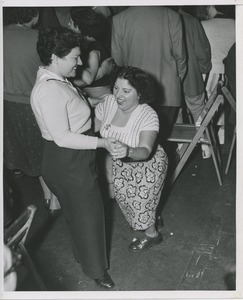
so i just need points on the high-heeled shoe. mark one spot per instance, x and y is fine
(105, 282)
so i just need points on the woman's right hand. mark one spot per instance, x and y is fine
(108, 143)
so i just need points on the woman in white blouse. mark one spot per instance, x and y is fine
(68, 163)
(140, 165)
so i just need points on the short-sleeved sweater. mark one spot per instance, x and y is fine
(143, 118)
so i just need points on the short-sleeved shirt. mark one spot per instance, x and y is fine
(143, 118)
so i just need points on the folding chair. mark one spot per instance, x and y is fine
(232, 102)
(15, 237)
(190, 135)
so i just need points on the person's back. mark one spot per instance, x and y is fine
(21, 62)
(220, 31)
(151, 38)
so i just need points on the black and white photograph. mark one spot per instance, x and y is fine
(121, 153)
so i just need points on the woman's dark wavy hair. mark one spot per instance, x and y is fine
(58, 41)
(21, 15)
(139, 80)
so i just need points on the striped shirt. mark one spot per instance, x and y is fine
(143, 118)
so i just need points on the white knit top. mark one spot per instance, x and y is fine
(143, 118)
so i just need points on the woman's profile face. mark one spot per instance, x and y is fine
(67, 66)
(126, 95)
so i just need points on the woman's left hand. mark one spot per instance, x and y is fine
(120, 150)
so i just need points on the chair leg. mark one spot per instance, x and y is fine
(215, 154)
(184, 154)
(29, 263)
(231, 152)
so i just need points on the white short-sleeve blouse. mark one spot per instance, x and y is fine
(143, 118)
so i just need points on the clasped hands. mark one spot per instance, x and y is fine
(117, 149)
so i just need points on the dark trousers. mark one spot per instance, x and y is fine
(71, 176)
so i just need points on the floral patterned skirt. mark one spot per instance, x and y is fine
(138, 187)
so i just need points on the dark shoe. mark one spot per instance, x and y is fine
(139, 245)
(53, 213)
(46, 203)
(105, 282)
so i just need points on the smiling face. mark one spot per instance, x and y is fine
(126, 95)
(67, 66)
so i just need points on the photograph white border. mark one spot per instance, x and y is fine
(238, 294)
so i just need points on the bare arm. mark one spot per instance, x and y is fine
(89, 74)
(141, 152)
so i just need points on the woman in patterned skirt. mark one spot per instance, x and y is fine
(139, 165)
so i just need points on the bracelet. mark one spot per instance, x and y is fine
(130, 151)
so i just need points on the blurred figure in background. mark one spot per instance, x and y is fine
(22, 138)
(220, 30)
(95, 74)
(63, 15)
(198, 65)
(47, 18)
